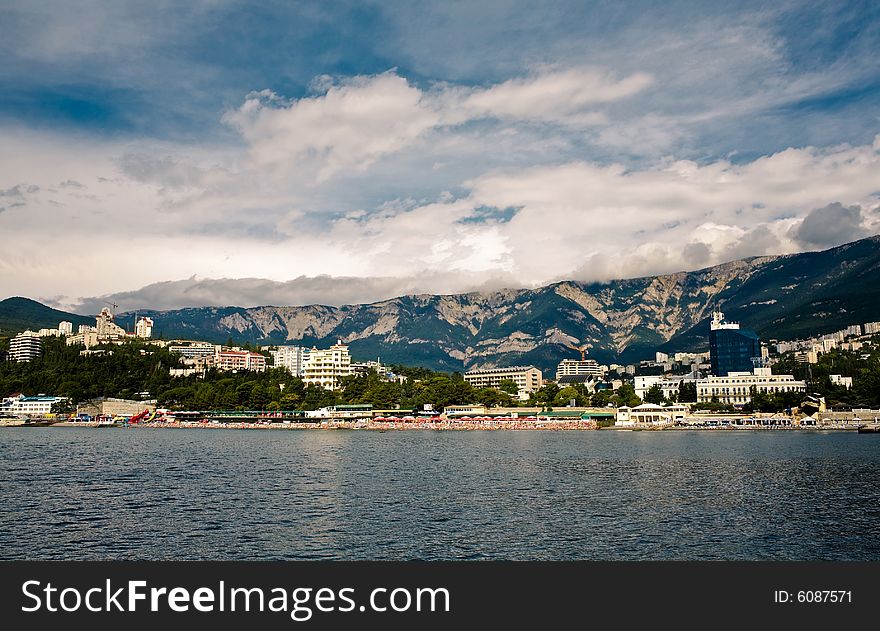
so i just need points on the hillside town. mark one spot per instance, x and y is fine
(720, 387)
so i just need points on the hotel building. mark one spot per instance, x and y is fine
(735, 388)
(527, 378)
(325, 367)
(25, 347)
(577, 367)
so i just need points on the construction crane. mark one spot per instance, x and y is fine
(114, 305)
(582, 349)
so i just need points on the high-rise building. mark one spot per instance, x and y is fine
(731, 348)
(106, 327)
(65, 327)
(291, 358)
(325, 367)
(25, 346)
(144, 328)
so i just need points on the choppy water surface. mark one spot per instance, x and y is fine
(83, 493)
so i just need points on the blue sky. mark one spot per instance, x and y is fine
(389, 147)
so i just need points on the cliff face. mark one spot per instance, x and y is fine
(779, 296)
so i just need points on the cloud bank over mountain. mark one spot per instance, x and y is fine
(386, 150)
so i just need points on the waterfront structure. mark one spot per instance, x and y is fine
(735, 387)
(144, 328)
(326, 367)
(577, 367)
(25, 347)
(20, 405)
(65, 327)
(475, 410)
(649, 413)
(239, 360)
(731, 348)
(109, 406)
(290, 358)
(528, 379)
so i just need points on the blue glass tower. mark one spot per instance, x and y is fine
(732, 349)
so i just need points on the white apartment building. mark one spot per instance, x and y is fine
(144, 328)
(735, 388)
(872, 328)
(669, 386)
(25, 347)
(65, 327)
(29, 406)
(290, 358)
(49, 333)
(840, 380)
(577, 367)
(326, 366)
(528, 379)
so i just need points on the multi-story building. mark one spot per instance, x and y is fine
(528, 379)
(25, 347)
(840, 380)
(19, 404)
(325, 367)
(194, 349)
(732, 349)
(49, 333)
(65, 327)
(735, 387)
(872, 328)
(577, 367)
(144, 328)
(290, 358)
(105, 326)
(854, 330)
(239, 360)
(669, 386)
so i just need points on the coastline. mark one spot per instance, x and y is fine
(451, 426)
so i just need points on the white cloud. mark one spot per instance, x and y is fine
(349, 127)
(360, 120)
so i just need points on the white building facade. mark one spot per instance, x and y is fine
(25, 347)
(290, 358)
(144, 328)
(578, 367)
(528, 379)
(735, 388)
(325, 367)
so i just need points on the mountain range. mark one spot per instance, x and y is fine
(781, 297)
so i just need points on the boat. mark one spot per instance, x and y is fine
(873, 428)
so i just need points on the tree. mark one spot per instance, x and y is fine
(687, 392)
(626, 395)
(654, 395)
(509, 386)
(565, 396)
